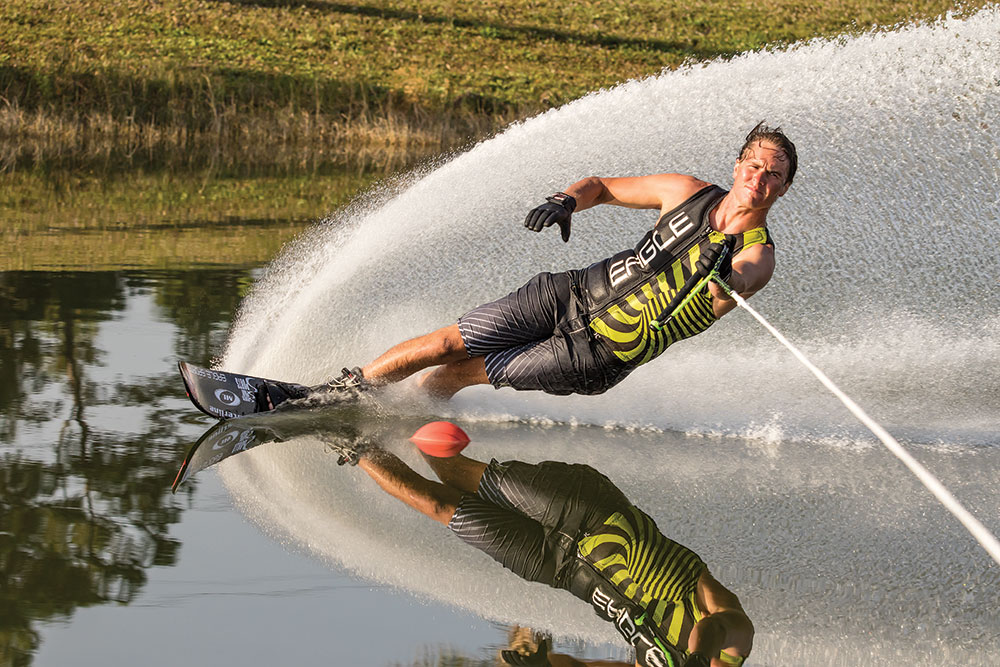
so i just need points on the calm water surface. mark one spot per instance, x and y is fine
(99, 559)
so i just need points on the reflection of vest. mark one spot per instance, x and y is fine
(649, 581)
(628, 290)
(628, 618)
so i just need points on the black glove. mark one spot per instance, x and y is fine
(697, 660)
(707, 261)
(557, 209)
(539, 658)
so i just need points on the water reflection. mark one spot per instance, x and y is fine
(85, 508)
(563, 525)
(170, 218)
(330, 424)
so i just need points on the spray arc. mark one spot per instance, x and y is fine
(870, 218)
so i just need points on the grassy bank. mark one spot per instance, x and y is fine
(293, 82)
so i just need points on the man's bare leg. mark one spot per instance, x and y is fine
(443, 348)
(403, 360)
(433, 499)
(458, 472)
(444, 381)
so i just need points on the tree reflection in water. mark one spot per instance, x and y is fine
(85, 507)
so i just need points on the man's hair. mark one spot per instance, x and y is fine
(774, 135)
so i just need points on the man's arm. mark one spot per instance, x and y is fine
(752, 268)
(661, 191)
(726, 627)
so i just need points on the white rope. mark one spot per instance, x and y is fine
(985, 538)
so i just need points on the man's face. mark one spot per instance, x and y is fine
(759, 178)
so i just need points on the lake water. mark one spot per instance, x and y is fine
(885, 278)
(835, 550)
(100, 559)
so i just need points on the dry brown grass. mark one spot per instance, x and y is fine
(291, 139)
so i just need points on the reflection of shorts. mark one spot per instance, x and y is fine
(538, 338)
(530, 517)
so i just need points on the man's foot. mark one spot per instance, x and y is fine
(271, 394)
(348, 380)
(348, 450)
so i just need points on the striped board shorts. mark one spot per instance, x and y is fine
(529, 517)
(537, 338)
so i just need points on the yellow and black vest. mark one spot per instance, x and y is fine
(642, 582)
(628, 290)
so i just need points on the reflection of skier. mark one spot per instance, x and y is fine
(584, 331)
(568, 526)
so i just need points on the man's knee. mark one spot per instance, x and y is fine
(444, 381)
(449, 340)
(440, 346)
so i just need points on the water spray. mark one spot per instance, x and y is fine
(981, 534)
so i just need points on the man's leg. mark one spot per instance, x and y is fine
(444, 381)
(403, 360)
(433, 499)
(443, 348)
(500, 329)
(458, 472)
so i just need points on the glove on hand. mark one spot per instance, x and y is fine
(539, 658)
(707, 261)
(557, 209)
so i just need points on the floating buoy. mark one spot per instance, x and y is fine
(440, 439)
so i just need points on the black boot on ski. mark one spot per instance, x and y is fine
(271, 394)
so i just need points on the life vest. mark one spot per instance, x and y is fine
(631, 621)
(630, 289)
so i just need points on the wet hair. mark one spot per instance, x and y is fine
(774, 135)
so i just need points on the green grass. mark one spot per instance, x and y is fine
(130, 131)
(433, 53)
(145, 77)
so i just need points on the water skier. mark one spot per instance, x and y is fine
(583, 331)
(568, 526)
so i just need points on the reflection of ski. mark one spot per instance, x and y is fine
(226, 395)
(233, 436)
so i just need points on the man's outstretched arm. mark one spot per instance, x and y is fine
(661, 191)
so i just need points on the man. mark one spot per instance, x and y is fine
(584, 331)
(568, 526)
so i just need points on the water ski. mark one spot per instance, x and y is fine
(337, 426)
(225, 395)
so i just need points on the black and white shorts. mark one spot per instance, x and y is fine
(529, 517)
(537, 338)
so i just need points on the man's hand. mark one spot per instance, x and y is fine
(707, 261)
(557, 209)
